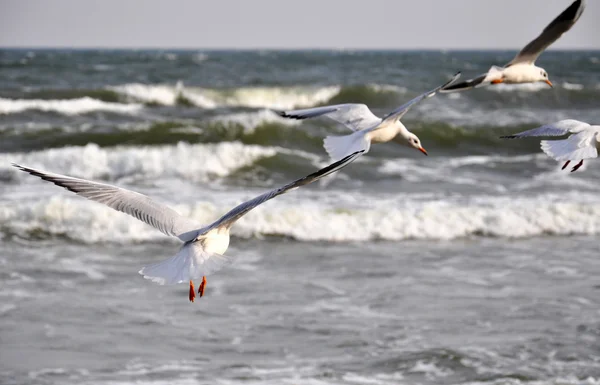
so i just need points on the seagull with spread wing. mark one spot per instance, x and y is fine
(583, 141)
(367, 127)
(522, 68)
(203, 247)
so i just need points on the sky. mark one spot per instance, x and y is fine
(263, 24)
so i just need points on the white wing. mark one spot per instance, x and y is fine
(354, 116)
(129, 202)
(236, 213)
(403, 109)
(564, 127)
(576, 147)
(551, 33)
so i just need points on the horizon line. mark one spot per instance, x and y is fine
(364, 49)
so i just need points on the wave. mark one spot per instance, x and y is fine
(311, 219)
(253, 97)
(196, 162)
(66, 107)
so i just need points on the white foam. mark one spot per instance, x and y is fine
(311, 218)
(572, 86)
(255, 97)
(67, 107)
(196, 162)
(254, 119)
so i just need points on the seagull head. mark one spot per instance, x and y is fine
(543, 76)
(413, 141)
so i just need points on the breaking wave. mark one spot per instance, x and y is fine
(197, 162)
(78, 106)
(310, 219)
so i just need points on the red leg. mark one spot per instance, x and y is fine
(577, 166)
(566, 164)
(202, 286)
(192, 291)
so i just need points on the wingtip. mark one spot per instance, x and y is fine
(508, 137)
(285, 114)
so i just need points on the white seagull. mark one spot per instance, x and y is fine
(366, 126)
(203, 247)
(583, 141)
(522, 68)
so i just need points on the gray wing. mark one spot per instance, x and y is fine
(356, 117)
(129, 202)
(564, 127)
(403, 109)
(551, 33)
(236, 213)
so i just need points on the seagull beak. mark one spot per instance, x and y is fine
(422, 150)
(548, 82)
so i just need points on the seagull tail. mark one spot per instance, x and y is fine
(191, 262)
(338, 147)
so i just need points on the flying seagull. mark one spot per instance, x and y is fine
(203, 247)
(522, 68)
(366, 126)
(583, 141)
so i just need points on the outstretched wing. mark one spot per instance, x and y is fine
(564, 127)
(403, 109)
(129, 202)
(236, 213)
(354, 116)
(551, 33)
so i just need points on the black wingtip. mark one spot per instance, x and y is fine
(284, 114)
(509, 137)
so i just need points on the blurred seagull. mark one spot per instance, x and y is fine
(583, 141)
(368, 127)
(203, 248)
(522, 68)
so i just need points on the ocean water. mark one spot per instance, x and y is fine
(475, 265)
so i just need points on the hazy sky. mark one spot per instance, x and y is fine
(402, 24)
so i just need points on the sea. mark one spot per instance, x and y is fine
(476, 265)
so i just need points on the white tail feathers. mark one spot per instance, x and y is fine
(191, 262)
(338, 147)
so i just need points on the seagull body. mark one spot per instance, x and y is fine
(203, 247)
(583, 141)
(522, 68)
(367, 127)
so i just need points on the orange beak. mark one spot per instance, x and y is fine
(422, 150)
(548, 82)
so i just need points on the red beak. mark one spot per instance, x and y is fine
(422, 150)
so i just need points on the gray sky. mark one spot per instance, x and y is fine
(373, 24)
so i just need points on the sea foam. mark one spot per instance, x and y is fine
(309, 218)
(196, 162)
(255, 97)
(67, 107)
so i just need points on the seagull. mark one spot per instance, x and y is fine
(583, 141)
(203, 247)
(366, 126)
(522, 68)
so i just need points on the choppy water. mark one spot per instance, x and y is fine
(475, 265)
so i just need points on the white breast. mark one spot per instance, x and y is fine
(384, 133)
(216, 241)
(521, 73)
